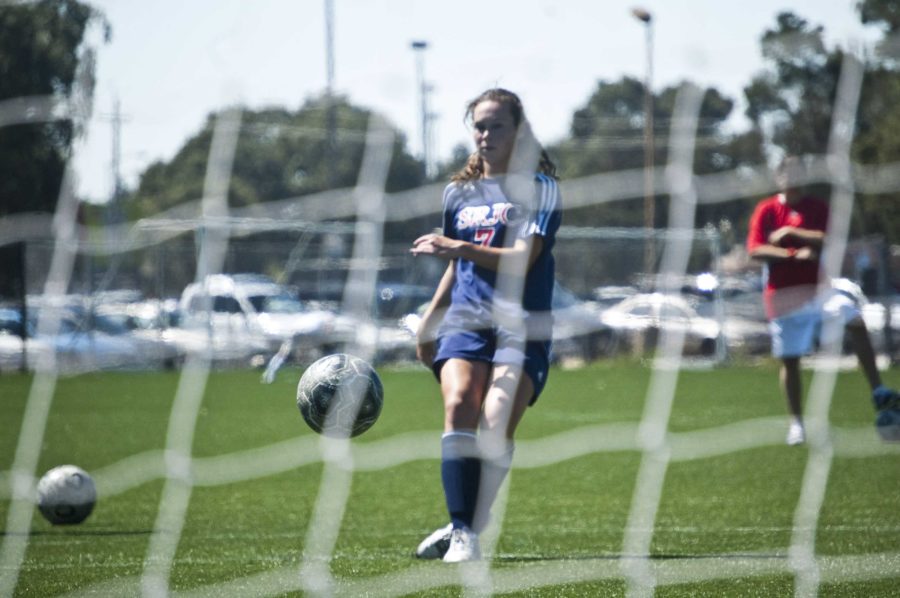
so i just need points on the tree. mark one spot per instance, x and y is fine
(793, 99)
(878, 139)
(458, 158)
(793, 102)
(884, 14)
(607, 135)
(40, 55)
(877, 142)
(280, 154)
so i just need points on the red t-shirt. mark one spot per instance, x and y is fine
(790, 283)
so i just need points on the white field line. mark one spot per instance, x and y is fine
(533, 575)
(288, 455)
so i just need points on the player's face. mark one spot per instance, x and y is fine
(790, 178)
(494, 134)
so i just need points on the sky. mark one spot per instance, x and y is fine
(170, 63)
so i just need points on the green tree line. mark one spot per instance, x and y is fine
(284, 153)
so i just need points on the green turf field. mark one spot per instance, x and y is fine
(723, 525)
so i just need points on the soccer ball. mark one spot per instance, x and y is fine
(66, 495)
(888, 425)
(340, 395)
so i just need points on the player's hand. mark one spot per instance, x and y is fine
(806, 254)
(426, 339)
(777, 237)
(425, 352)
(437, 245)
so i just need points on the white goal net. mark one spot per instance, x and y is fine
(308, 227)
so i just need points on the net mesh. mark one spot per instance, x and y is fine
(308, 223)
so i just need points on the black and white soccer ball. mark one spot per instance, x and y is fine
(66, 495)
(340, 395)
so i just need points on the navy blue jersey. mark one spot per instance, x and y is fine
(480, 212)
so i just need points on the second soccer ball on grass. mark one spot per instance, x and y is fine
(66, 495)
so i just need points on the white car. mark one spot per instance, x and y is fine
(79, 344)
(640, 319)
(141, 325)
(579, 332)
(575, 325)
(11, 347)
(253, 310)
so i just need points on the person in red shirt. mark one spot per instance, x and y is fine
(787, 233)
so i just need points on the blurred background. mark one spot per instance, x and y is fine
(109, 112)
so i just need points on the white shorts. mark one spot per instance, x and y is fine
(823, 318)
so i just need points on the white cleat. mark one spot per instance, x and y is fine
(435, 545)
(463, 546)
(796, 434)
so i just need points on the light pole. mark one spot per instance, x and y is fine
(649, 202)
(330, 108)
(419, 48)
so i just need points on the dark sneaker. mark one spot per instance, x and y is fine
(885, 398)
(887, 422)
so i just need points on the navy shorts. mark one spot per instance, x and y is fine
(495, 346)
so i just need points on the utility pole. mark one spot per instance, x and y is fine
(330, 107)
(115, 119)
(649, 200)
(116, 163)
(113, 206)
(419, 48)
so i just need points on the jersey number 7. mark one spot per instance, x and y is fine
(484, 236)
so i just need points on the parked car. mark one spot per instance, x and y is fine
(579, 331)
(397, 307)
(746, 336)
(11, 346)
(79, 341)
(743, 318)
(257, 312)
(222, 350)
(609, 295)
(143, 324)
(640, 319)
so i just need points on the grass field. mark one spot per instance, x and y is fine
(723, 525)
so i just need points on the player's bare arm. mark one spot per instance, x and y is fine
(774, 253)
(431, 319)
(484, 256)
(809, 237)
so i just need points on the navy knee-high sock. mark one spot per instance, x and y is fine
(461, 474)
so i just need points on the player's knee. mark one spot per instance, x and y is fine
(461, 408)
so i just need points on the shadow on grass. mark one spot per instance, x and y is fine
(64, 531)
(510, 558)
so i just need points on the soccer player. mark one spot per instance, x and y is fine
(787, 232)
(486, 333)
